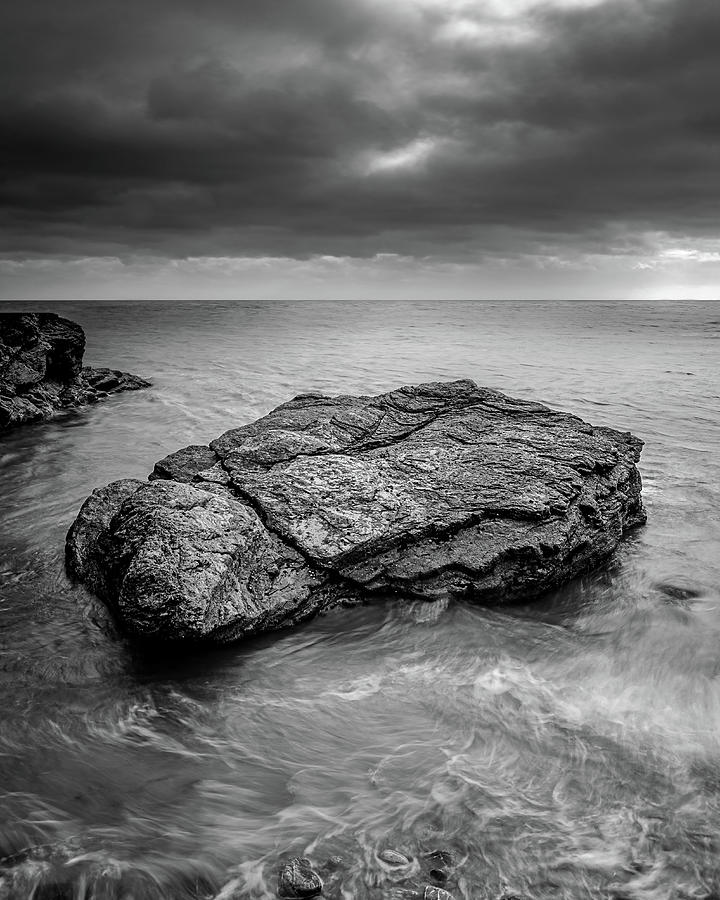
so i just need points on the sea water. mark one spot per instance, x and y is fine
(564, 749)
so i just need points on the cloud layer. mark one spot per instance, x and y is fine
(458, 130)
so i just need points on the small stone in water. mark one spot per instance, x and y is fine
(444, 862)
(394, 857)
(436, 893)
(333, 863)
(298, 879)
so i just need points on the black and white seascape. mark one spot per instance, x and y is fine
(427, 606)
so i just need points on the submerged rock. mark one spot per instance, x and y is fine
(440, 874)
(41, 369)
(297, 879)
(429, 491)
(441, 865)
(394, 857)
(333, 863)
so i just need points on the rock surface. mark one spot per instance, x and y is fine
(41, 369)
(435, 893)
(427, 491)
(394, 858)
(297, 879)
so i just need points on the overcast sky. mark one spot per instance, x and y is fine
(360, 147)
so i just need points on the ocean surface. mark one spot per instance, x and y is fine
(565, 749)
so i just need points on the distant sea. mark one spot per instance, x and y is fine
(565, 749)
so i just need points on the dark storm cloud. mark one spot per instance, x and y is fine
(319, 126)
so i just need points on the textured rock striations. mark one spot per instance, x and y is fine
(41, 369)
(429, 491)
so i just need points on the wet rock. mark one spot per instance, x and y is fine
(333, 863)
(440, 874)
(679, 593)
(86, 543)
(393, 857)
(185, 464)
(176, 560)
(434, 491)
(297, 879)
(435, 893)
(441, 864)
(41, 369)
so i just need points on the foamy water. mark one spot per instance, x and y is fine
(563, 749)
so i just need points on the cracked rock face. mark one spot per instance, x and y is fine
(41, 369)
(429, 491)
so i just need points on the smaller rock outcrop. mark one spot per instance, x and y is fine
(41, 369)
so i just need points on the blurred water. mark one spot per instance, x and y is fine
(569, 748)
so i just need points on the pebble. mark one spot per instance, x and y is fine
(297, 879)
(439, 875)
(393, 857)
(436, 893)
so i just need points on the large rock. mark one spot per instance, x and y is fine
(41, 369)
(428, 491)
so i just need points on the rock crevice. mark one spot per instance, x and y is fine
(443, 489)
